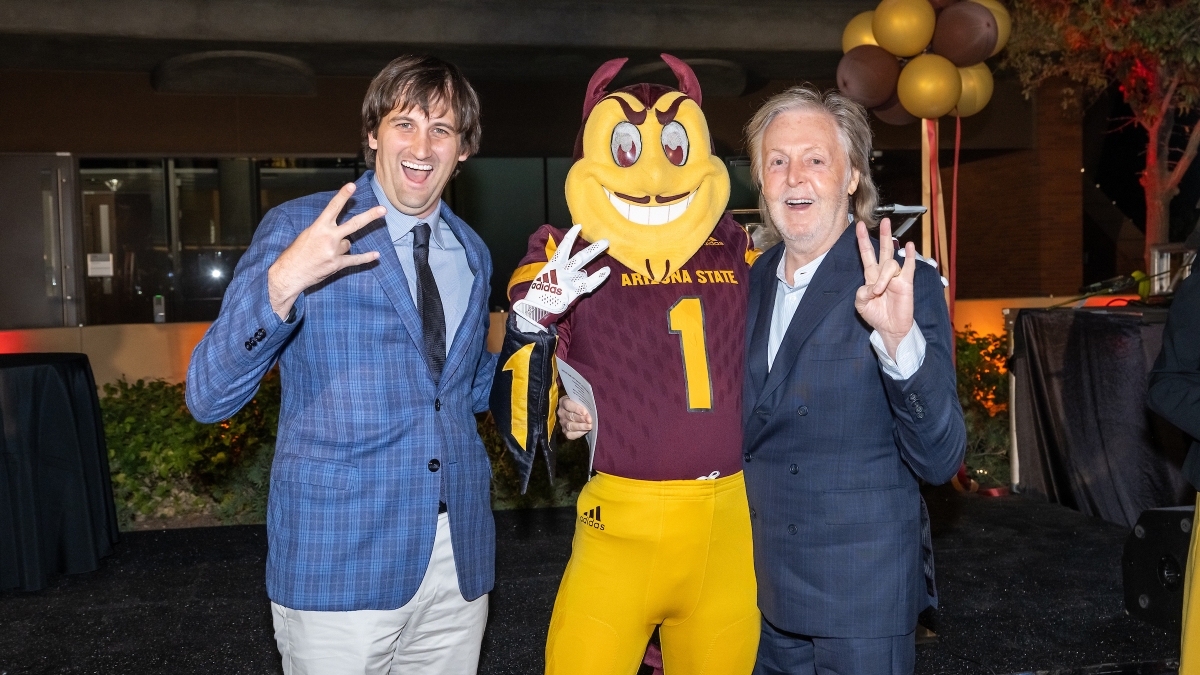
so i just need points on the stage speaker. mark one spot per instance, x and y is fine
(1154, 563)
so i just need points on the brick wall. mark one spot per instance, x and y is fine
(1020, 214)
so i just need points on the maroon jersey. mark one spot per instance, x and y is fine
(664, 357)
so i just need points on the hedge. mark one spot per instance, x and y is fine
(165, 464)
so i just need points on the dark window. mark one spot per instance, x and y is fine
(176, 228)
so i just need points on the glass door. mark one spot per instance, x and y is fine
(37, 242)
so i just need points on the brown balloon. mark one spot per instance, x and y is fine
(1003, 22)
(868, 75)
(966, 34)
(892, 112)
(939, 5)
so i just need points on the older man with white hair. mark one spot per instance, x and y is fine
(849, 401)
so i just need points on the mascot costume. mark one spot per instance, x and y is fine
(663, 534)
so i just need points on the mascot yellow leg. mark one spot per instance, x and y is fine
(1189, 649)
(675, 553)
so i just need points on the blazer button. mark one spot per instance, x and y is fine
(437, 404)
(752, 513)
(791, 529)
(746, 457)
(802, 410)
(793, 469)
(434, 465)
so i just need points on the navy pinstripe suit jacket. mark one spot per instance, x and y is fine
(834, 449)
(353, 504)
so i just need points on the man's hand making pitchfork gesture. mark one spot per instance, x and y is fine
(885, 300)
(318, 252)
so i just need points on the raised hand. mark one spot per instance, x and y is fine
(559, 284)
(318, 252)
(885, 300)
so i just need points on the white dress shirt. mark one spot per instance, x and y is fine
(910, 354)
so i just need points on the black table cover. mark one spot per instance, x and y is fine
(56, 502)
(1085, 438)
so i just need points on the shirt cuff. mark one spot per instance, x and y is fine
(910, 354)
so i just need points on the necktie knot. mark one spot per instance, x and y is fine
(421, 235)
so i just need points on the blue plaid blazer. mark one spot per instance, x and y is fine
(353, 506)
(835, 449)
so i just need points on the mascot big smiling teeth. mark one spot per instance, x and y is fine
(658, 328)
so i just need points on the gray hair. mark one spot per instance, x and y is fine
(854, 131)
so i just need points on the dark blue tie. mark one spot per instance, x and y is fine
(433, 318)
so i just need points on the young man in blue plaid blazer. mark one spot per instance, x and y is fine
(373, 300)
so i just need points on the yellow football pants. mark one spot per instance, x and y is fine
(675, 553)
(1189, 649)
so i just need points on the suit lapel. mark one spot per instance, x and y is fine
(838, 275)
(758, 317)
(472, 318)
(387, 269)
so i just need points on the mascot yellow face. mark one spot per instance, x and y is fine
(647, 180)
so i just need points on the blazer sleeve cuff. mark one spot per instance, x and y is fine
(923, 394)
(266, 331)
(910, 354)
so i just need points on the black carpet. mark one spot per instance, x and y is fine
(1025, 586)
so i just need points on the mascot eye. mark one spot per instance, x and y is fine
(626, 144)
(675, 143)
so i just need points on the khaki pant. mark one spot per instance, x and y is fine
(436, 633)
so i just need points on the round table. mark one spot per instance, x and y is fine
(56, 503)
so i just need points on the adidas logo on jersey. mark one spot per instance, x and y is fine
(713, 242)
(548, 282)
(592, 518)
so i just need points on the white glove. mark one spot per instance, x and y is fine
(560, 283)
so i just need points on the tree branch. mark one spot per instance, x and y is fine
(1167, 105)
(1153, 122)
(1189, 153)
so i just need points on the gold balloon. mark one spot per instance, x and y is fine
(904, 27)
(1003, 23)
(977, 85)
(929, 86)
(858, 32)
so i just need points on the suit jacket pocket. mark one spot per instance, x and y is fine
(312, 471)
(835, 351)
(883, 505)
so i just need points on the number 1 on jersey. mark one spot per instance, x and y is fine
(686, 319)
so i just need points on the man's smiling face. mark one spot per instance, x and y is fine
(807, 178)
(415, 156)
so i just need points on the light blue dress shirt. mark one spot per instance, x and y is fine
(447, 259)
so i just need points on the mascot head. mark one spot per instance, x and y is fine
(645, 177)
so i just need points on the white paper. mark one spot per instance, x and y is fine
(100, 265)
(580, 391)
